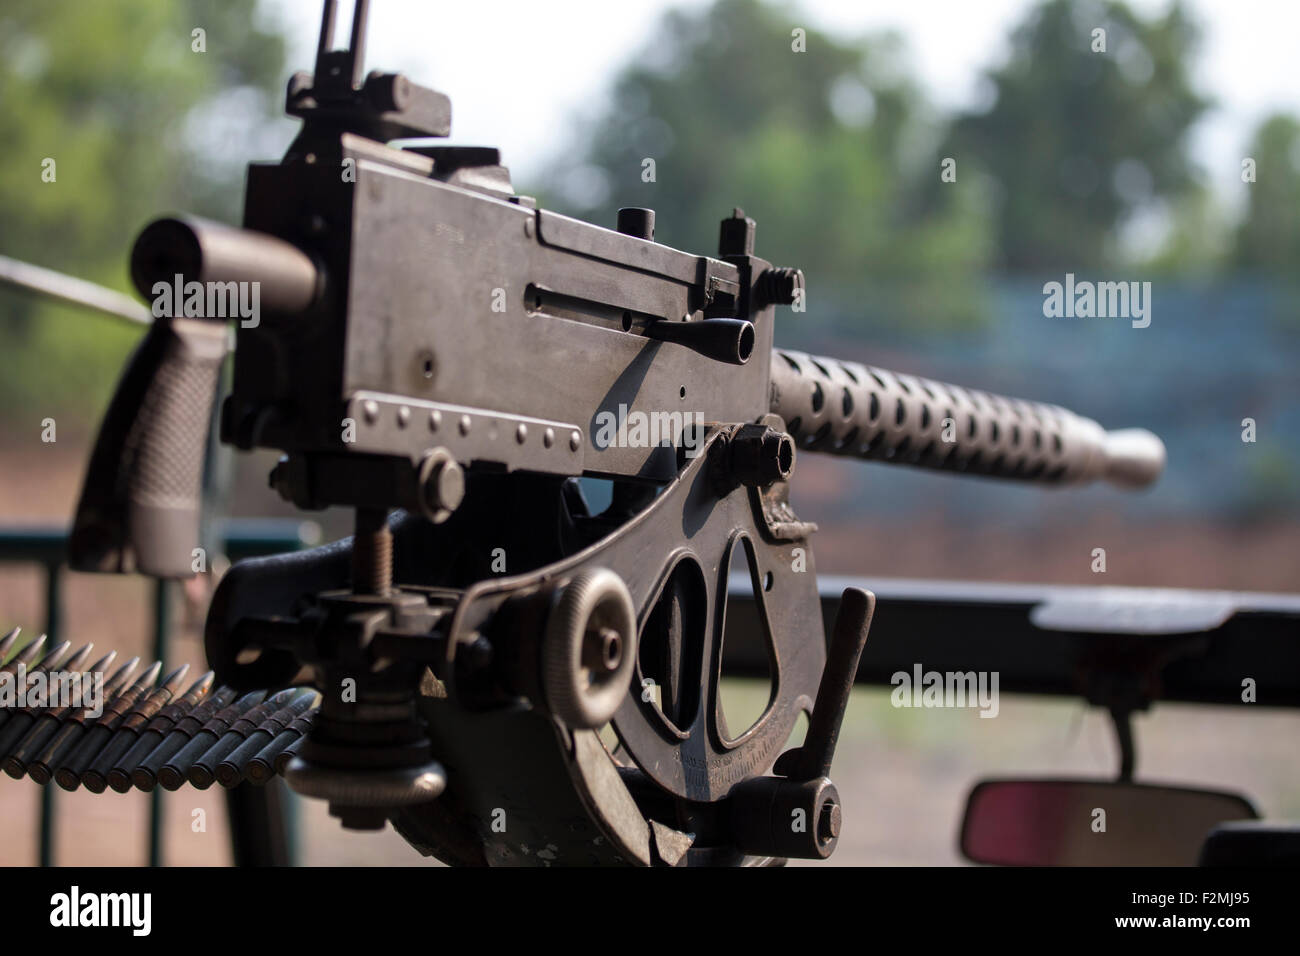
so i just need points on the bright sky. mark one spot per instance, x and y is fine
(519, 71)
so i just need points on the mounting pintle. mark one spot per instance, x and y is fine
(384, 107)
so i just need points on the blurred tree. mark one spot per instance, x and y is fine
(827, 149)
(1197, 237)
(1078, 138)
(1268, 239)
(121, 98)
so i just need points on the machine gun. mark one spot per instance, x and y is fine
(436, 353)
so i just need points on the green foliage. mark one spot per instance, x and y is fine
(63, 363)
(106, 90)
(1079, 140)
(827, 149)
(1271, 479)
(1198, 240)
(1269, 238)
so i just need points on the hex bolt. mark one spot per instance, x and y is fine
(446, 488)
(759, 455)
(441, 485)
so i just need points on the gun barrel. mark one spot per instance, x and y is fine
(844, 408)
(199, 250)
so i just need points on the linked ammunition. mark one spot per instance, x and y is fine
(232, 770)
(145, 776)
(68, 775)
(16, 720)
(24, 656)
(203, 771)
(263, 766)
(56, 732)
(289, 752)
(119, 777)
(172, 774)
(138, 730)
(95, 777)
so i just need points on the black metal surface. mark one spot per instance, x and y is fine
(198, 250)
(964, 626)
(259, 833)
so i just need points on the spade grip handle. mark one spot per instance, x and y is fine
(139, 506)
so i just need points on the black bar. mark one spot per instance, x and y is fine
(1038, 636)
(258, 827)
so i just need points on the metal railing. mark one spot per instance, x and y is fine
(47, 547)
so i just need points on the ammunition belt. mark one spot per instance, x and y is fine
(129, 729)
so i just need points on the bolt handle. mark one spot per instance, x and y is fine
(813, 759)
